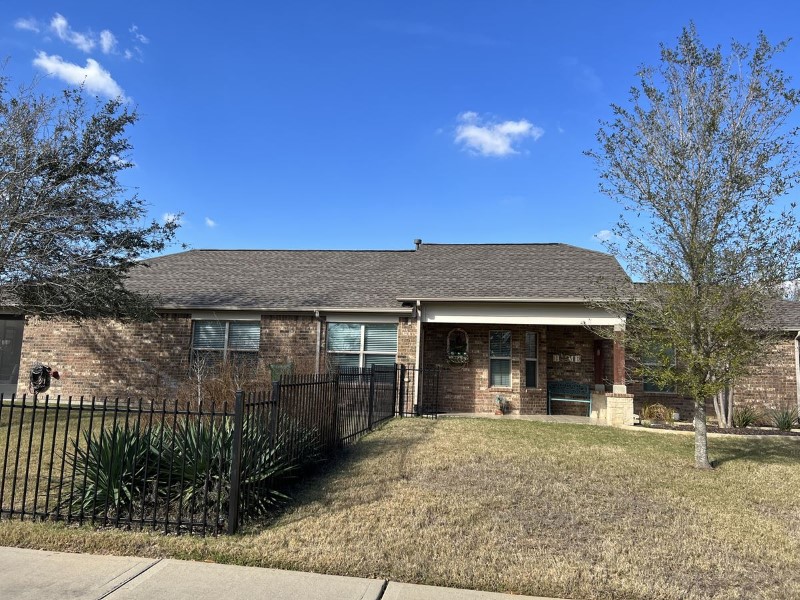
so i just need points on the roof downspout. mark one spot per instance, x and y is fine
(418, 354)
(319, 341)
(797, 367)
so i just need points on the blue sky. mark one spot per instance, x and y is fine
(368, 124)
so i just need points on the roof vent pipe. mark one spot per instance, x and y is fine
(418, 243)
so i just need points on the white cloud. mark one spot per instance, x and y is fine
(27, 25)
(491, 138)
(128, 54)
(93, 77)
(142, 39)
(210, 222)
(169, 217)
(107, 41)
(603, 235)
(60, 26)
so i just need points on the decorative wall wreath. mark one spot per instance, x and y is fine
(457, 347)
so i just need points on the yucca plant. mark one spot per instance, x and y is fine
(197, 459)
(784, 418)
(111, 470)
(745, 416)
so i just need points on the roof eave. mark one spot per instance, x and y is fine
(502, 299)
(272, 309)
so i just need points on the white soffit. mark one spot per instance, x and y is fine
(361, 318)
(518, 314)
(220, 315)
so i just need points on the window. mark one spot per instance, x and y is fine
(657, 360)
(362, 344)
(500, 359)
(10, 350)
(214, 342)
(531, 359)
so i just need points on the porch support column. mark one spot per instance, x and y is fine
(619, 403)
(619, 360)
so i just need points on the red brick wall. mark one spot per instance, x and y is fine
(466, 388)
(291, 339)
(407, 341)
(575, 341)
(770, 384)
(109, 358)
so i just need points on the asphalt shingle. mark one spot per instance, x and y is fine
(304, 279)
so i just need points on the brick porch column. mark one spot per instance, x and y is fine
(619, 361)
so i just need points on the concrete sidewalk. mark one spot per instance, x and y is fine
(39, 575)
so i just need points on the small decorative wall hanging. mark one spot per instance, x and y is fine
(457, 347)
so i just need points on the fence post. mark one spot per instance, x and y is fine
(273, 414)
(236, 463)
(370, 415)
(401, 393)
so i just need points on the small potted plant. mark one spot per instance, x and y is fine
(501, 405)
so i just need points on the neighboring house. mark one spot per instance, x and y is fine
(500, 319)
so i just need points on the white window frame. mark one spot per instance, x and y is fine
(532, 359)
(362, 353)
(508, 358)
(226, 349)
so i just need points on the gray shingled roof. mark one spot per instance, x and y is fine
(288, 279)
(784, 315)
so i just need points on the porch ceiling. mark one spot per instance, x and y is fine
(517, 314)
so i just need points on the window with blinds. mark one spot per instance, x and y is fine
(531, 359)
(500, 359)
(362, 344)
(214, 342)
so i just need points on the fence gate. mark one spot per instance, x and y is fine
(427, 380)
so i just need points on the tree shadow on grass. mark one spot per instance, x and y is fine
(776, 450)
(313, 485)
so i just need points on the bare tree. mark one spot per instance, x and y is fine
(70, 230)
(699, 161)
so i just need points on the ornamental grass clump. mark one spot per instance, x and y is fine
(784, 418)
(746, 416)
(657, 412)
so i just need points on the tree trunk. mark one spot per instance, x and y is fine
(723, 406)
(700, 436)
(730, 406)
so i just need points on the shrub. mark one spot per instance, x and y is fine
(186, 464)
(784, 418)
(746, 416)
(111, 470)
(657, 412)
(197, 459)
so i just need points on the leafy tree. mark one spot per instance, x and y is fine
(700, 160)
(70, 231)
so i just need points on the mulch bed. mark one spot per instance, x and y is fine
(732, 431)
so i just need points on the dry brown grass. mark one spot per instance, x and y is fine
(532, 508)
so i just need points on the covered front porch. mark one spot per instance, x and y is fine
(516, 352)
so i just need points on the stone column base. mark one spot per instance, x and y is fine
(619, 409)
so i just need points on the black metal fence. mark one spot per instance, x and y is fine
(426, 402)
(183, 467)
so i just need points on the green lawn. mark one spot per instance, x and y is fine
(525, 507)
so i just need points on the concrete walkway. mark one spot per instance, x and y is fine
(39, 575)
(574, 420)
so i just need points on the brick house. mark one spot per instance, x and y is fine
(499, 319)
